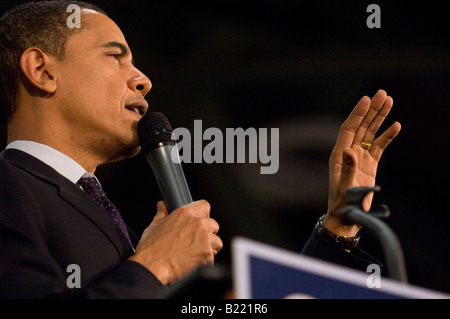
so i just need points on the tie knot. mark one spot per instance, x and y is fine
(91, 186)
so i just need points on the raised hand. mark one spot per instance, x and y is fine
(354, 159)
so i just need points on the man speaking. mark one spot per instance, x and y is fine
(71, 100)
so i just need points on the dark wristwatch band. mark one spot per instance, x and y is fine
(342, 241)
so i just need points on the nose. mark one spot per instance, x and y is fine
(140, 83)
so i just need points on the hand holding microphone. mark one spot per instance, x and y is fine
(173, 244)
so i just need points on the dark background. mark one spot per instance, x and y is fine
(300, 66)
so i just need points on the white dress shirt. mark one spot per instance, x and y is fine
(60, 162)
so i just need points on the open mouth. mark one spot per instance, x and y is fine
(138, 107)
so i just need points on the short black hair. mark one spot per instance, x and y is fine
(41, 24)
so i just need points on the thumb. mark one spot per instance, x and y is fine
(161, 213)
(348, 169)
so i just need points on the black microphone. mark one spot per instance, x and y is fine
(155, 134)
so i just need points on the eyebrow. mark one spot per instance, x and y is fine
(124, 51)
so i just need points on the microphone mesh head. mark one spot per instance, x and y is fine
(154, 129)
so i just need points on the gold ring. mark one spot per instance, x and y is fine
(366, 146)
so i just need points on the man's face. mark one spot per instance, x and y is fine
(99, 91)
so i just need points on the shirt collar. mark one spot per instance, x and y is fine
(60, 162)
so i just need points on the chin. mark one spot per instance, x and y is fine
(123, 150)
(130, 151)
(135, 151)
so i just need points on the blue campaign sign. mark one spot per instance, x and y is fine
(261, 271)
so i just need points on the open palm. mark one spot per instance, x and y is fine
(354, 159)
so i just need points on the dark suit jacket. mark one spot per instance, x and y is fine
(321, 248)
(48, 223)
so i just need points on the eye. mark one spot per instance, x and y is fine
(116, 56)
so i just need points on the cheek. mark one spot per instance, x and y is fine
(105, 86)
(94, 88)
(80, 82)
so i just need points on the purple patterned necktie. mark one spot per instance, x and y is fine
(91, 186)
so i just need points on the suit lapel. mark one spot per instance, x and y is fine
(75, 196)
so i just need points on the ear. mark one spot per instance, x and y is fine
(37, 67)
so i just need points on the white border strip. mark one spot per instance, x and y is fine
(243, 249)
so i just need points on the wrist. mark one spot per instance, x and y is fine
(335, 225)
(340, 239)
(160, 271)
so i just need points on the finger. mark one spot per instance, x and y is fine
(384, 140)
(200, 208)
(216, 244)
(351, 124)
(161, 213)
(207, 226)
(378, 120)
(161, 206)
(213, 226)
(376, 104)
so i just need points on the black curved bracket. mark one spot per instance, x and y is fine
(353, 213)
